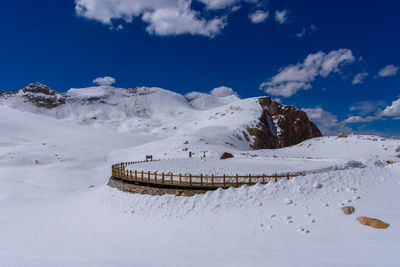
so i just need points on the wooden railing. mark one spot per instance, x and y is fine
(119, 171)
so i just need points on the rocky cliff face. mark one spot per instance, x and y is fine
(281, 126)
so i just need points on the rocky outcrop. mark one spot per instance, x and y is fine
(226, 155)
(38, 95)
(348, 210)
(375, 223)
(281, 126)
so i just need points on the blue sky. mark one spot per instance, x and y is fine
(305, 53)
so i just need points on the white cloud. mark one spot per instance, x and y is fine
(368, 107)
(222, 91)
(306, 31)
(163, 17)
(297, 77)
(281, 16)
(104, 81)
(219, 4)
(258, 16)
(327, 123)
(357, 119)
(389, 70)
(393, 110)
(181, 20)
(360, 77)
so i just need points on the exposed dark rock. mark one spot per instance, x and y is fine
(281, 126)
(226, 155)
(38, 88)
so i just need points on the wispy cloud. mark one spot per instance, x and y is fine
(389, 70)
(297, 77)
(306, 31)
(281, 16)
(360, 77)
(327, 122)
(258, 16)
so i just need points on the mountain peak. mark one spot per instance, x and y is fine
(37, 87)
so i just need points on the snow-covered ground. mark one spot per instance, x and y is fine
(241, 165)
(56, 210)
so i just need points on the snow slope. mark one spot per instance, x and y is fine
(56, 210)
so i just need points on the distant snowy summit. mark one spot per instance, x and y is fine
(257, 123)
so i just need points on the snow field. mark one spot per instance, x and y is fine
(56, 210)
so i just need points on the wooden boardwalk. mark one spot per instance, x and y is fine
(190, 181)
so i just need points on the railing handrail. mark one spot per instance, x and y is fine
(119, 171)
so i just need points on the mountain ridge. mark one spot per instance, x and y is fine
(256, 123)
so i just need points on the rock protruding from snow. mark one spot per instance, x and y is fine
(281, 126)
(38, 88)
(375, 223)
(226, 155)
(348, 210)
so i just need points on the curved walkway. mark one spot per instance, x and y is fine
(190, 181)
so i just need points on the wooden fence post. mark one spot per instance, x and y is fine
(249, 179)
(142, 175)
(135, 174)
(130, 175)
(201, 179)
(172, 178)
(155, 175)
(263, 179)
(237, 180)
(224, 180)
(190, 179)
(212, 179)
(148, 176)
(288, 176)
(162, 176)
(276, 178)
(180, 178)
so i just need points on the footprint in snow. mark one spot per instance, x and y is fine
(288, 201)
(303, 231)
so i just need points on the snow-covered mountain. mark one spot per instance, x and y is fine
(243, 123)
